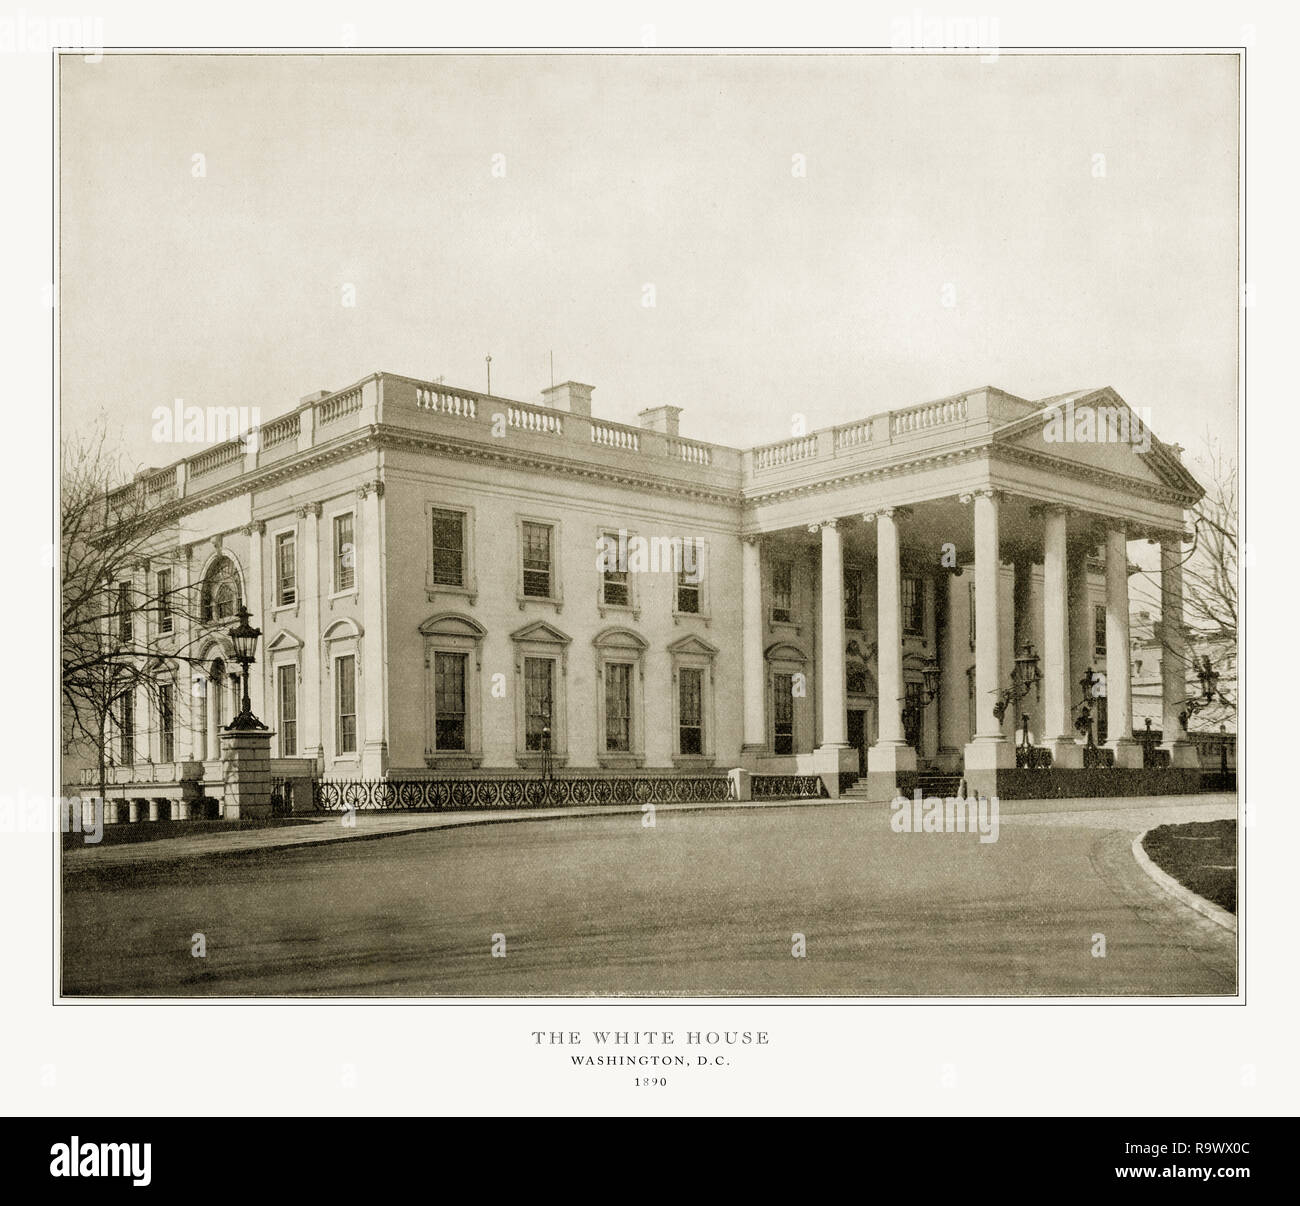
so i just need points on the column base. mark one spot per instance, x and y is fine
(990, 754)
(886, 762)
(982, 759)
(1182, 754)
(1066, 754)
(831, 761)
(1128, 753)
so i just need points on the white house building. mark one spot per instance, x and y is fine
(425, 564)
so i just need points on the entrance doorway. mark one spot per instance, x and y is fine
(858, 736)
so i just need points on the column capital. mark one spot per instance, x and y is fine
(1171, 537)
(832, 524)
(375, 487)
(258, 527)
(752, 538)
(970, 496)
(895, 513)
(313, 509)
(1046, 509)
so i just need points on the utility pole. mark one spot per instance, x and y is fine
(488, 360)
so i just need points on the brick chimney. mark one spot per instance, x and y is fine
(661, 418)
(571, 396)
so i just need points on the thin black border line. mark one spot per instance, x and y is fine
(1238, 1000)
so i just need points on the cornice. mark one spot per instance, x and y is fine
(379, 437)
(396, 437)
(1069, 468)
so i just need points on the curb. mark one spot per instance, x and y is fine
(1220, 917)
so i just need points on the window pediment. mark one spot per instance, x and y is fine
(453, 624)
(784, 651)
(282, 642)
(693, 645)
(540, 632)
(341, 629)
(621, 638)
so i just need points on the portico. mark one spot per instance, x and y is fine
(981, 561)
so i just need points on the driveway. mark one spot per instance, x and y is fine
(703, 903)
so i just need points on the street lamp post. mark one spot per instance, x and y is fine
(244, 638)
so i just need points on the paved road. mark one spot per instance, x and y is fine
(703, 903)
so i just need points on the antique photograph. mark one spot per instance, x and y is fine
(666, 525)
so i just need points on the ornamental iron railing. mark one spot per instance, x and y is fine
(447, 795)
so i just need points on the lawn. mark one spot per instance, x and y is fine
(1200, 855)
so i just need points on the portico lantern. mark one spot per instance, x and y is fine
(1027, 672)
(930, 678)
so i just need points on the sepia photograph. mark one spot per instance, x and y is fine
(718, 524)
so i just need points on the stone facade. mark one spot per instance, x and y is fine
(423, 563)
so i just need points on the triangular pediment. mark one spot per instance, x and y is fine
(693, 645)
(541, 631)
(282, 641)
(1096, 431)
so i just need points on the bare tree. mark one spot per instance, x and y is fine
(1210, 578)
(110, 609)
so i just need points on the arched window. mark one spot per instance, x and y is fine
(220, 597)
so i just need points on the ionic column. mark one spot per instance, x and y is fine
(256, 604)
(990, 750)
(1173, 655)
(1119, 699)
(890, 753)
(310, 724)
(834, 724)
(1058, 725)
(374, 750)
(751, 607)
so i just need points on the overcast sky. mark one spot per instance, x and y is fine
(775, 293)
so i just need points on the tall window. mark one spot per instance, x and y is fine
(618, 706)
(615, 588)
(165, 604)
(688, 593)
(539, 682)
(690, 710)
(853, 598)
(913, 612)
(345, 705)
(783, 713)
(220, 596)
(449, 701)
(1098, 630)
(286, 686)
(345, 574)
(166, 724)
(126, 728)
(537, 560)
(286, 569)
(124, 611)
(782, 573)
(448, 548)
